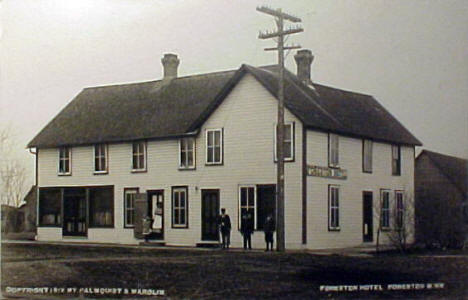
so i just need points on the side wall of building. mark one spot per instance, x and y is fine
(352, 188)
(247, 117)
(438, 204)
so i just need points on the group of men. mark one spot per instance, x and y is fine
(247, 229)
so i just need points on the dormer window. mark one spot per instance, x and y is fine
(139, 156)
(64, 167)
(100, 159)
(187, 153)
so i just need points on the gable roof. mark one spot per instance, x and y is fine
(164, 109)
(454, 168)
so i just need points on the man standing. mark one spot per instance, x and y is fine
(269, 227)
(225, 228)
(247, 227)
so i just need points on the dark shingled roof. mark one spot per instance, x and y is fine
(160, 109)
(454, 168)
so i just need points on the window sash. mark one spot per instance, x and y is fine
(333, 150)
(367, 156)
(100, 158)
(396, 160)
(187, 153)
(129, 208)
(399, 209)
(214, 149)
(385, 209)
(288, 141)
(139, 156)
(247, 202)
(64, 160)
(334, 207)
(179, 207)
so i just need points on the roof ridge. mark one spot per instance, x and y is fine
(445, 155)
(205, 74)
(155, 81)
(443, 170)
(312, 100)
(341, 90)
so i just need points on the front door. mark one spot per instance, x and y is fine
(156, 212)
(210, 212)
(74, 212)
(367, 226)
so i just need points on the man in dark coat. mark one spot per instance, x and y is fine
(269, 227)
(247, 228)
(225, 228)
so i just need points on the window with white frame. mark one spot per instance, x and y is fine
(385, 209)
(187, 153)
(333, 150)
(333, 207)
(396, 160)
(367, 156)
(247, 202)
(139, 156)
(64, 167)
(129, 207)
(214, 146)
(399, 209)
(180, 207)
(100, 158)
(288, 142)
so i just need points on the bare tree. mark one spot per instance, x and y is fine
(402, 216)
(12, 171)
(399, 228)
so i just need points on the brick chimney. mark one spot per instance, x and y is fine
(170, 63)
(304, 60)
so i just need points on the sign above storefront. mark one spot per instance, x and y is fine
(326, 172)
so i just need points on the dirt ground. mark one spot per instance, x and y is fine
(217, 274)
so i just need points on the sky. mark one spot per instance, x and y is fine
(410, 55)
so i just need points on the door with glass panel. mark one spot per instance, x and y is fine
(156, 213)
(74, 212)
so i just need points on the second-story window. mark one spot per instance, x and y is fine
(64, 167)
(100, 158)
(214, 146)
(139, 156)
(367, 156)
(187, 153)
(333, 150)
(288, 142)
(396, 160)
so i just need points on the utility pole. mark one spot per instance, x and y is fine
(280, 17)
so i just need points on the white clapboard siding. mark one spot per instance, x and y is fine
(351, 189)
(248, 117)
